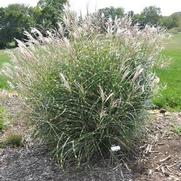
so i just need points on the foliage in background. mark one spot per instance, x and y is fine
(51, 13)
(111, 12)
(94, 87)
(150, 15)
(18, 18)
(106, 14)
(15, 19)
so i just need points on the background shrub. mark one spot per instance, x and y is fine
(89, 91)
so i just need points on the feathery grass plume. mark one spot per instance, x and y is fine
(87, 90)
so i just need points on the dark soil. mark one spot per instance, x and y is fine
(159, 156)
(36, 164)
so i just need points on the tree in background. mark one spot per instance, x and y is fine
(112, 12)
(49, 12)
(109, 12)
(151, 15)
(169, 22)
(15, 19)
(2, 27)
(130, 14)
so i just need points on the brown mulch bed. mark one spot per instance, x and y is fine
(159, 156)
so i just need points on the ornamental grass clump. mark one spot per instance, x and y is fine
(87, 89)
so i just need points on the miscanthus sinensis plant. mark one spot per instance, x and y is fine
(87, 89)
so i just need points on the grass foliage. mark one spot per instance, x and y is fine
(177, 130)
(4, 58)
(89, 91)
(13, 140)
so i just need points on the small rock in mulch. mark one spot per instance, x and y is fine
(162, 111)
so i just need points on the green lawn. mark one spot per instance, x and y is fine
(4, 58)
(170, 98)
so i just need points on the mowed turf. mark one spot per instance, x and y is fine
(4, 58)
(170, 97)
